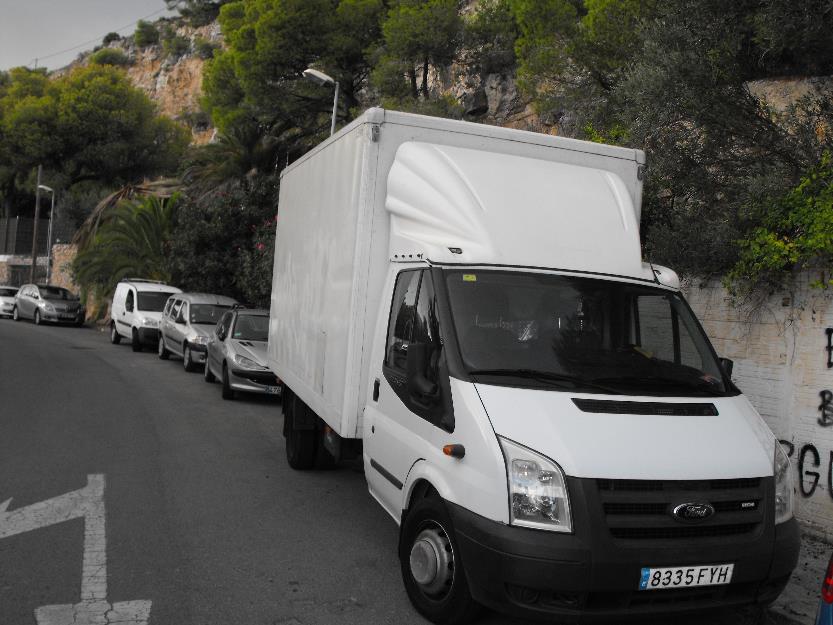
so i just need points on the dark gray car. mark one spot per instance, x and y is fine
(41, 302)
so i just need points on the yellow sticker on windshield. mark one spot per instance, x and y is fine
(469, 277)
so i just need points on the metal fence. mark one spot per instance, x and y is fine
(16, 235)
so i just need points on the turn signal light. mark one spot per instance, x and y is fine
(827, 584)
(455, 451)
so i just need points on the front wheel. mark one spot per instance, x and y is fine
(15, 314)
(429, 557)
(188, 359)
(115, 337)
(209, 377)
(37, 318)
(228, 392)
(161, 350)
(135, 341)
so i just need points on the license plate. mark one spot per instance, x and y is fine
(686, 576)
(67, 316)
(273, 390)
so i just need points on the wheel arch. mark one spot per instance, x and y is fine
(423, 480)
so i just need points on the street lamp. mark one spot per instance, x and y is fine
(320, 78)
(51, 191)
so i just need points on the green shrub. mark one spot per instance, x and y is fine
(175, 46)
(110, 56)
(205, 48)
(146, 34)
(110, 38)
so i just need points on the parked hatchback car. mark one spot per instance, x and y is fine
(7, 294)
(825, 613)
(42, 302)
(187, 323)
(137, 310)
(237, 354)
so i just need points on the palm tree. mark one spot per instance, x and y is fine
(130, 243)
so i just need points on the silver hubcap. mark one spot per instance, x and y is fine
(432, 561)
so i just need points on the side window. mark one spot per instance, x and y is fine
(225, 324)
(128, 303)
(427, 327)
(401, 321)
(175, 310)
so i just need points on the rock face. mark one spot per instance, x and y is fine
(171, 78)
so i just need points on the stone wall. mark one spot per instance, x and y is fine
(779, 347)
(62, 257)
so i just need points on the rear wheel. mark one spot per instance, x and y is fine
(430, 562)
(15, 314)
(188, 359)
(37, 318)
(228, 392)
(135, 342)
(115, 337)
(300, 444)
(161, 350)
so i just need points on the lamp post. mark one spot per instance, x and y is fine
(51, 191)
(320, 78)
(35, 230)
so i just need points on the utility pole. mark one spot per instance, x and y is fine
(35, 232)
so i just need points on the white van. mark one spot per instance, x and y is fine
(136, 311)
(537, 408)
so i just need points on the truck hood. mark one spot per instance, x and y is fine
(734, 444)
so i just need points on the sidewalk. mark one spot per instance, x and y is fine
(799, 601)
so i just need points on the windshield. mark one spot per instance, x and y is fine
(152, 301)
(596, 334)
(7, 292)
(206, 313)
(251, 328)
(55, 292)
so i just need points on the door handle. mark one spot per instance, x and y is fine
(376, 390)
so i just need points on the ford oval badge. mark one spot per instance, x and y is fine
(693, 512)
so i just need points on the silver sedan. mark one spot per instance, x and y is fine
(237, 354)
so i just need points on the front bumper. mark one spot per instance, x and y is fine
(263, 382)
(63, 317)
(589, 576)
(199, 353)
(7, 310)
(148, 336)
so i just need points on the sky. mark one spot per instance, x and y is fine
(46, 29)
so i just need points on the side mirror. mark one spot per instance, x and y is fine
(179, 318)
(221, 334)
(728, 366)
(421, 389)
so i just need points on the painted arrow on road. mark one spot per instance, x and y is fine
(86, 503)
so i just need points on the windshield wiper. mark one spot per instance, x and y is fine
(546, 376)
(699, 385)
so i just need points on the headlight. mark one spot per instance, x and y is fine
(783, 485)
(48, 307)
(537, 490)
(247, 363)
(150, 323)
(200, 340)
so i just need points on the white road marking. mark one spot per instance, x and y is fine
(86, 503)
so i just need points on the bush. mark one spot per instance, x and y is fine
(146, 34)
(110, 56)
(110, 38)
(175, 46)
(205, 48)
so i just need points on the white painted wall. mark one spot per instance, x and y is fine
(778, 346)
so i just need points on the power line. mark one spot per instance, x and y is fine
(97, 39)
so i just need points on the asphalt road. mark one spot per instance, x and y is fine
(204, 518)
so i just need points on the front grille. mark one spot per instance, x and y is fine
(700, 409)
(642, 510)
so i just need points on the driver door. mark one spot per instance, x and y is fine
(406, 416)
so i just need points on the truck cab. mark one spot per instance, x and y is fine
(536, 405)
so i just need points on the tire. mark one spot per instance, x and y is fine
(15, 314)
(300, 444)
(135, 343)
(228, 392)
(36, 319)
(115, 337)
(187, 359)
(427, 542)
(161, 350)
(207, 375)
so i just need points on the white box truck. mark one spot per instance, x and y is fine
(537, 408)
